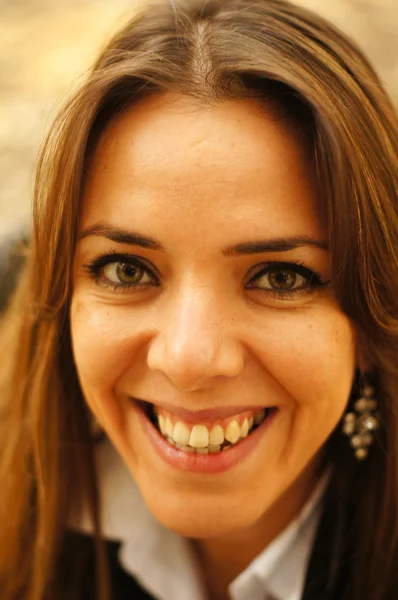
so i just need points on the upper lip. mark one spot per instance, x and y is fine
(203, 415)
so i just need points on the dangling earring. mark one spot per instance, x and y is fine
(361, 424)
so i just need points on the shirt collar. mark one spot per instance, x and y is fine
(281, 568)
(163, 562)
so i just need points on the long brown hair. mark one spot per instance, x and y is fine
(210, 50)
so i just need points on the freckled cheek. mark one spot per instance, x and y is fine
(311, 356)
(104, 348)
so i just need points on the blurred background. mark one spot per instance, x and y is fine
(45, 45)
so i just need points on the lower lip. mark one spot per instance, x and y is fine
(203, 463)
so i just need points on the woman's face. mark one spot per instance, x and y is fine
(201, 296)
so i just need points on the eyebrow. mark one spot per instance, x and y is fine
(122, 236)
(279, 244)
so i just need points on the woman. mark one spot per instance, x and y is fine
(213, 280)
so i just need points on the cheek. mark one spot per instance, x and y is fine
(310, 353)
(311, 359)
(103, 344)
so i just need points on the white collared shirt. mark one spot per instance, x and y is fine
(162, 561)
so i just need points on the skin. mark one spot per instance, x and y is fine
(199, 179)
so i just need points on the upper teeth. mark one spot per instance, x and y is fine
(206, 439)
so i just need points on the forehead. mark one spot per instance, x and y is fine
(167, 161)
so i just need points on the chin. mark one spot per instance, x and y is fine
(200, 526)
(200, 517)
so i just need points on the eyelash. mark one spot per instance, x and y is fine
(95, 266)
(314, 279)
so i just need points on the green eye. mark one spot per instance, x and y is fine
(128, 273)
(286, 279)
(280, 280)
(122, 272)
(125, 273)
(283, 280)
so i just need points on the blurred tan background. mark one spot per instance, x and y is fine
(45, 45)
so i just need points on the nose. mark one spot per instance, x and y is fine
(196, 342)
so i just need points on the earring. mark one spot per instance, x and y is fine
(361, 424)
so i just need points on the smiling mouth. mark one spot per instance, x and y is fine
(208, 437)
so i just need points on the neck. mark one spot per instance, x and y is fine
(223, 559)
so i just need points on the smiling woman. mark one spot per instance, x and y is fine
(213, 278)
(213, 313)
